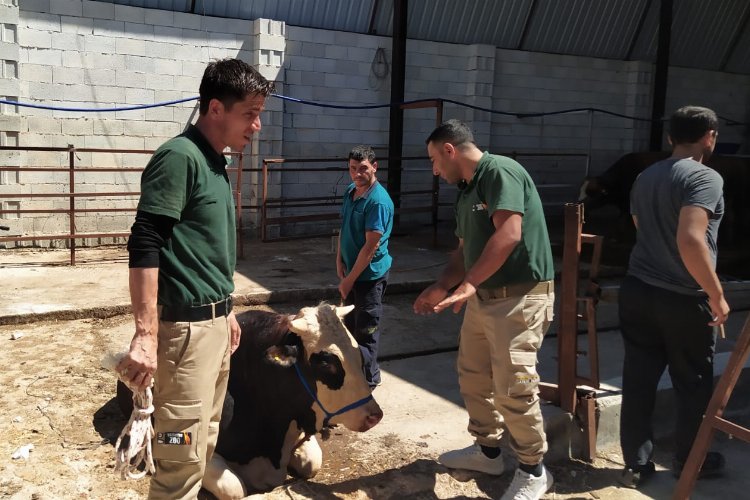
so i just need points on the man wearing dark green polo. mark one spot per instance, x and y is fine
(182, 261)
(503, 271)
(362, 260)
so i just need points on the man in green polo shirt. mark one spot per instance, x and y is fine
(503, 271)
(182, 261)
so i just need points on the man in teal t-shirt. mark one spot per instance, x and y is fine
(362, 260)
(503, 271)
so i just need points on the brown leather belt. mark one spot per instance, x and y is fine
(517, 290)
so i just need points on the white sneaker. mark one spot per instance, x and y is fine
(528, 487)
(472, 458)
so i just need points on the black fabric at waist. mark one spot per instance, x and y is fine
(197, 313)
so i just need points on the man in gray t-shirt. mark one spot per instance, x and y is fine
(671, 300)
(656, 201)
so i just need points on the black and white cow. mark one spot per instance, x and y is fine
(290, 377)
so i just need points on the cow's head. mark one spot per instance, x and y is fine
(329, 356)
(593, 193)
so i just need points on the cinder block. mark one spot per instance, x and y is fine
(129, 46)
(68, 41)
(49, 57)
(134, 114)
(162, 50)
(161, 113)
(99, 77)
(43, 125)
(35, 5)
(125, 78)
(125, 142)
(100, 10)
(101, 44)
(130, 14)
(41, 21)
(188, 21)
(138, 128)
(139, 96)
(35, 39)
(67, 7)
(78, 25)
(160, 82)
(139, 31)
(77, 126)
(35, 73)
(186, 83)
(63, 75)
(108, 127)
(106, 27)
(168, 34)
(159, 17)
(43, 91)
(140, 64)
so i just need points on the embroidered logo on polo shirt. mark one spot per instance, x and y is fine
(479, 207)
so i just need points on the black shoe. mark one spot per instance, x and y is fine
(636, 476)
(713, 466)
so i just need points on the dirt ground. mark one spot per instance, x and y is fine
(56, 396)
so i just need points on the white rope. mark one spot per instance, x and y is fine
(140, 432)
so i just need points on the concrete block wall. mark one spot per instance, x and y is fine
(86, 53)
(725, 93)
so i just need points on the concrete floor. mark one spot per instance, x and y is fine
(419, 392)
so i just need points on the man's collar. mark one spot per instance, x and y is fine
(214, 158)
(366, 194)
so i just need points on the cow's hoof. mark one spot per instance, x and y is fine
(307, 459)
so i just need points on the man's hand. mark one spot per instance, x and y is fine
(235, 330)
(428, 299)
(458, 298)
(345, 286)
(139, 364)
(719, 310)
(340, 269)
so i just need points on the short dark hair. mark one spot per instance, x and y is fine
(231, 80)
(453, 131)
(362, 153)
(689, 123)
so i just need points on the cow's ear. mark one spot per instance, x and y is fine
(344, 310)
(298, 325)
(282, 355)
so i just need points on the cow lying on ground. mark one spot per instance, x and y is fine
(290, 377)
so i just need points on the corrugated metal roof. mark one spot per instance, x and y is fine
(704, 32)
(599, 28)
(492, 23)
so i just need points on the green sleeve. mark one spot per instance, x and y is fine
(502, 188)
(166, 183)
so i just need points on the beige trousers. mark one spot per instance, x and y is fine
(497, 374)
(189, 388)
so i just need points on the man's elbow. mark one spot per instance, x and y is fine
(688, 242)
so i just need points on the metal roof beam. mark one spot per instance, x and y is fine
(526, 23)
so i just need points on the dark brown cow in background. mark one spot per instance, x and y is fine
(612, 188)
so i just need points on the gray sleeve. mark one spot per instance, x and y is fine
(703, 189)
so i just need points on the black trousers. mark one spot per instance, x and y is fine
(663, 329)
(364, 322)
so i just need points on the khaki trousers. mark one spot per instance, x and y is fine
(497, 358)
(189, 388)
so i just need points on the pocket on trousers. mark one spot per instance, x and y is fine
(177, 425)
(524, 379)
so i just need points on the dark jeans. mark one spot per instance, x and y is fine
(662, 329)
(363, 322)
